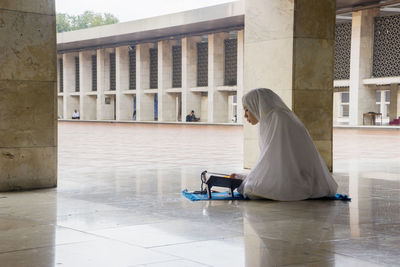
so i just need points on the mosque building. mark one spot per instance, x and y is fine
(162, 68)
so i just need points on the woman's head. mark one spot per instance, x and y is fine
(249, 116)
(259, 102)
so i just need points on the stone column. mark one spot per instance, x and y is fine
(190, 100)
(362, 97)
(104, 111)
(289, 48)
(28, 95)
(87, 104)
(239, 93)
(144, 102)
(394, 106)
(336, 107)
(60, 101)
(217, 101)
(100, 83)
(108, 106)
(166, 101)
(70, 102)
(124, 102)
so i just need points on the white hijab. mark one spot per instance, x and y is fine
(289, 166)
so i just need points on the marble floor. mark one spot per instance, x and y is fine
(119, 203)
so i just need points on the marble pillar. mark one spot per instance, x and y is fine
(105, 100)
(60, 107)
(289, 48)
(60, 91)
(217, 100)
(394, 106)
(124, 102)
(100, 83)
(87, 102)
(362, 97)
(336, 107)
(28, 95)
(166, 101)
(71, 100)
(239, 92)
(190, 100)
(144, 101)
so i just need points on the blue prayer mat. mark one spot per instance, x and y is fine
(338, 197)
(236, 196)
(215, 196)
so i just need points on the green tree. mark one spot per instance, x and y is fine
(88, 19)
(63, 22)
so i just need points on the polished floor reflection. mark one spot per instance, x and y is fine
(119, 203)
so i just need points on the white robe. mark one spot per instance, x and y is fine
(289, 166)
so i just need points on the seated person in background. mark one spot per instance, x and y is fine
(289, 166)
(75, 115)
(191, 117)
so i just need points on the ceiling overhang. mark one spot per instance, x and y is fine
(223, 17)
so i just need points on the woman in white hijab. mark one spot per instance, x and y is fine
(289, 166)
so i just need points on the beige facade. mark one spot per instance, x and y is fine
(172, 103)
(296, 62)
(288, 73)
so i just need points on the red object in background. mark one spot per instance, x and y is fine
(395, 122)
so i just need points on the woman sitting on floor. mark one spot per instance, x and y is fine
(289, 166)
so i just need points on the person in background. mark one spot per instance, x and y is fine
(191, 117)
(234, 118)
(75, 115)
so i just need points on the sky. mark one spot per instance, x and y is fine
(126, 10)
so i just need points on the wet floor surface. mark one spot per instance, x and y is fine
(119, 203)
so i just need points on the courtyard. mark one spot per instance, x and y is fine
(119, 203)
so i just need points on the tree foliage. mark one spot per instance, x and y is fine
(88, 19)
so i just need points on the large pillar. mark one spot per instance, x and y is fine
(239, 92)
(87, 102)
(394, 106)
(336, 107)
(289, 48)
(362, 97)
(28, 95)
(60, 86)
(190, 100)
(124, 102)
(105, 102)
(71, 102)
(217, 101)
(100, 83)
(144, 102)
(166, 101)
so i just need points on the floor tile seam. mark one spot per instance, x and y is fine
(26, 249)
(195, 241)
(179, 258)
(107, 238)
(351, 256)
(306, 262)
(86, 213)
(74, 243)
(27, 227)
(95, 235)
(62, 244)
(163, 220)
